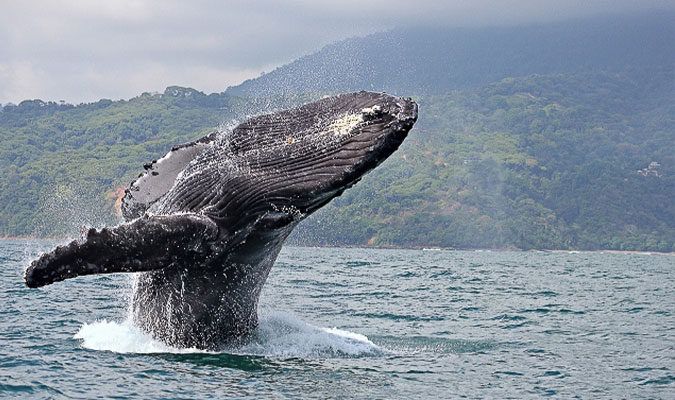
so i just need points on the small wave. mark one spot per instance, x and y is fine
(436, 345)
(279, 335)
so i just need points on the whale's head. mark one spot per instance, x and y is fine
(295, 161)
(335, 142)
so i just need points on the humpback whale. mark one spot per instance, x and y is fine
(205, 223)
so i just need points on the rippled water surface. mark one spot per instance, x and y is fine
(357, 323)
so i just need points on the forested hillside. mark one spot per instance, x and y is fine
(64, 165)
(546, 161)
(553, 137)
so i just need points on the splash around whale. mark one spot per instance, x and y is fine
(205, 223)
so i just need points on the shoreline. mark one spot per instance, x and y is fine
(497, 249)
(425, 248)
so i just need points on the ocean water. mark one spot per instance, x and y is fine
(364, 324)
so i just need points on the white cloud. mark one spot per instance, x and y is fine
(20, 80)
(81, 50)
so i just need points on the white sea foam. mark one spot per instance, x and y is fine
(120, 337)
(283, 335)
(279, 335)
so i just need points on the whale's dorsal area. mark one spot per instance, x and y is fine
(205, 223)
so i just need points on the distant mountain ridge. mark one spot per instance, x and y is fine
(437, 60)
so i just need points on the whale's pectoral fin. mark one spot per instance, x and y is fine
(146, 244)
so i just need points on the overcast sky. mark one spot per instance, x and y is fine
(82, 51)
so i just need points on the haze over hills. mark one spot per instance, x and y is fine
(436, 60)
(551, 136)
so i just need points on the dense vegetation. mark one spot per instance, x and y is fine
(545, 161)
(63, 165)
(538, 162)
